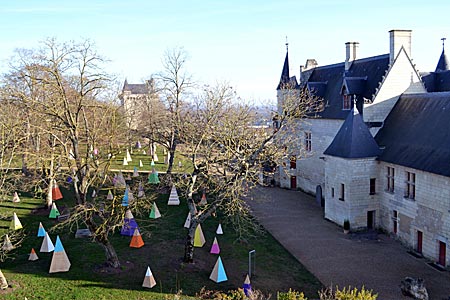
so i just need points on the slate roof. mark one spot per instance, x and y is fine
(285, 80)
(416, 133)
(363, 78)
(140, 88)
(443, 64)
(353, 139)
(436, 81)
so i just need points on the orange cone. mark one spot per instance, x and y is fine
(56, 193)
(136, 240)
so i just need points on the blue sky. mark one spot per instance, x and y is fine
(241, 42)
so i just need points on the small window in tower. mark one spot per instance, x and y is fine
(372, 186)
(342, 197)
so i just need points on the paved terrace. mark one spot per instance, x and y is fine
(335, 258)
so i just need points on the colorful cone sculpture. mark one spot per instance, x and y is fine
(94, 194)
(138, 145)
(155, 157)
(125, 198)
(125, 162)
(16, 198)
(154, 213)
(56, 192)
(215, 249)
(173, 198)
(199, 238)
(149, 280)
(143, 152)
(54, 212)
(219, 229)
(7, 245)
(141, 192)
(247, 286)
(33, 256)
(15, 223)
(218, 273)
(128, 157)
(129, 224)
(153, 177)
(120, 181)
(110, 196)
(41, 230)
(135, 172)
(47, 244)
(203, 200)
(136, 240)
(140, 164)
(60, 261)
(187, 223)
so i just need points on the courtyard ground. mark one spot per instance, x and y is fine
(378, 263)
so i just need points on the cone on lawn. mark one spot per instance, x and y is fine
(153, 177)
(110, 195)
(7, 245)
(149, 279)
(56, 192)
(124, 162)
(215, 249)
(155, 157)
(140, 164)
(138, 145)
(129, 224)
(219, 229)
(173, 197)
(136, 240)
(94, 194)
(141, 192)
(15, 223)
(143, 152)
(16, 198)
(154, 213)
(128, 157)
(199, 238)
(41, 230)
(247, 286)
(54, 212)
(60, 261)
(218, 274)
(135, 172)
(187, 223)
(203, 200)
(47, 244)
(125, 197)
(33, 256)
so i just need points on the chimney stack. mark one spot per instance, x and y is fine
(397, 39)
(350, 53)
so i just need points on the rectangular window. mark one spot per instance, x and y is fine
(346, 102)
(395, 220)
(410, 185)
(308, 141)
(372, 186)
(342, 197)
(293, 164)
(332, 192)
(390, 176)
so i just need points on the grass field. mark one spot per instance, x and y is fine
(276, 269)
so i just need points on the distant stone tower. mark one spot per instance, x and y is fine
(287, 86)
(133, 100)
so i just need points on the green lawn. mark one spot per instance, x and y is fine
(276, 269)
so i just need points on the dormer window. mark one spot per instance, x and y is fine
(346, 102)
(346, 99)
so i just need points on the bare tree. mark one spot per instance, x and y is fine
(228, 154)
(175, 84)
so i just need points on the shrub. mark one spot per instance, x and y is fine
(347, 294)
(291, 295)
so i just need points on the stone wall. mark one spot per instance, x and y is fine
(429, 212)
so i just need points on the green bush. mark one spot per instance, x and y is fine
(347, 294)
(291, 295)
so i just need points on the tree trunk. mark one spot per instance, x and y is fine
(172, 149)
(189, 245)
(3, 282)
(49, 197)
(111, 256)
